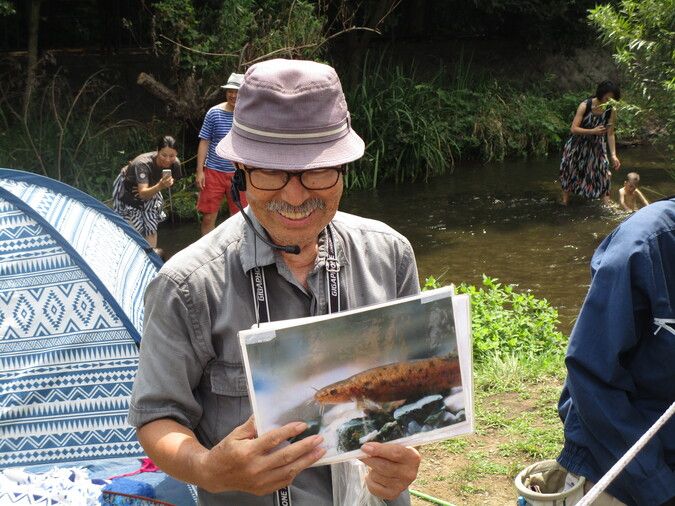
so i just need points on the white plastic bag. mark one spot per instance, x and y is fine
(349, 485)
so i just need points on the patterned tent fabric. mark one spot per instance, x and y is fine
(72, 277)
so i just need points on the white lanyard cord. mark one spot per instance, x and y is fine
(664, 323)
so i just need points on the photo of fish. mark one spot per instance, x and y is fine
(399, 371)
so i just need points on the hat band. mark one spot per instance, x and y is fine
(282, 137)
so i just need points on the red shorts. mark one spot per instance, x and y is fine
(218, 185)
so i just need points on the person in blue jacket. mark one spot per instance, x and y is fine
(621, 362)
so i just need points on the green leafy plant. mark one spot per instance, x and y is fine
(418, 129)
(640, 32)
(507, 322)
(69, 133)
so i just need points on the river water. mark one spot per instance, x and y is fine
(501, 219)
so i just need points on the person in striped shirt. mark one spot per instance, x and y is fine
(214, 174)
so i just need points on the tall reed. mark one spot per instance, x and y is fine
(417, 129)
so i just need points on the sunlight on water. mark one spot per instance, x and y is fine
(503, 220)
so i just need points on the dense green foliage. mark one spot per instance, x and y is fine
(506, 321)
(218, 37)
(6, 8)
(642, 36)
(70, 134)
(416, 129)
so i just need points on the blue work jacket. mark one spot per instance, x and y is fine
(621, 364)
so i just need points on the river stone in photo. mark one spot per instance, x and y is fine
(413, 428)
(454, 402)
(313, 428)
(350, 433)
(440, 419)
(388, 432)
(418, 411)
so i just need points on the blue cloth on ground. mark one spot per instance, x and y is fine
(131, 487)
(166, 488)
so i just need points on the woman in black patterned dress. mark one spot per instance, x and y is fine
(585, 166)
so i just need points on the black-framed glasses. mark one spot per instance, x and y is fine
(312, 179)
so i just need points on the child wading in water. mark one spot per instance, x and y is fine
(629, 194)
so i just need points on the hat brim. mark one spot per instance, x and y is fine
(230, 87)
(269, 155)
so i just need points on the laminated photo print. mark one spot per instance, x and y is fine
(393, 372)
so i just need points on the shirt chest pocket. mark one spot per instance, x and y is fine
(226, 403)
(228, 379)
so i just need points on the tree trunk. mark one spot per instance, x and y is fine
(33, 31)
(187, 110)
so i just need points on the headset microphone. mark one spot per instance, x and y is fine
(239, 185)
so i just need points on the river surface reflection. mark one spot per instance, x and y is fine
(499, 219)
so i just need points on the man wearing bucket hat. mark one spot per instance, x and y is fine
(291, 138)
(214, 173)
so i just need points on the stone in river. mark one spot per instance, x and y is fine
(440, 419)
(413, 428)
(368, 437)
(389, 432)
(418, 410)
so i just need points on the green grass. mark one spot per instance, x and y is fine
(516, 424)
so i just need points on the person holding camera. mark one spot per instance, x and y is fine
(137, 190)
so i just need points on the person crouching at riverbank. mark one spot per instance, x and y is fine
(629, 194)
(137, 190)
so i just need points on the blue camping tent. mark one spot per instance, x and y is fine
(72, 278)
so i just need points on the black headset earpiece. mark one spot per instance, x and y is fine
(238, 185)
(239, 180)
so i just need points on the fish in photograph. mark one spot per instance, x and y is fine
(391, 382)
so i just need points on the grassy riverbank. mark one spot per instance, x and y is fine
(518, 375)
(415, 127)
(516, 425)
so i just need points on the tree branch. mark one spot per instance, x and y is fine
(192, 50)
(159, 90)
(315, 45)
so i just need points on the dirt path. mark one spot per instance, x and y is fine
(513, 429)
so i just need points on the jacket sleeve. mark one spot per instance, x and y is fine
(615, 317)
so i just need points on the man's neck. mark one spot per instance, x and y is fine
(225, 106)
(302, 264)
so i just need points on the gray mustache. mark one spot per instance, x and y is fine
(307, 206)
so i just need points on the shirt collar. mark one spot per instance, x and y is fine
(255, 253)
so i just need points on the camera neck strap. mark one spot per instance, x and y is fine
(262, 311)
(332, 271)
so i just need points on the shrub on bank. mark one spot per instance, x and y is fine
(506, 321)
(415, 130)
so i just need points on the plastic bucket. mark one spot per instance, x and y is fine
(547, 483)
